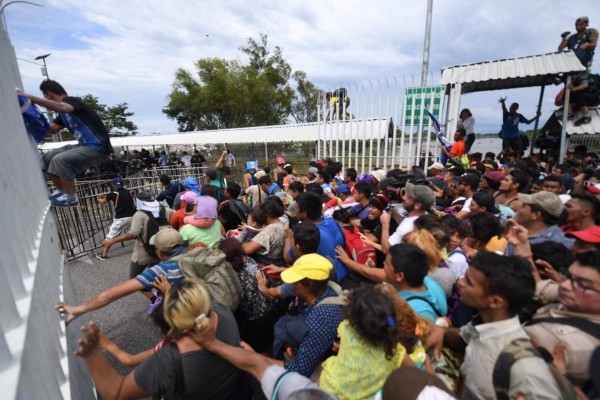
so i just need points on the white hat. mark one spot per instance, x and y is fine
(437, 166)
(379, 174)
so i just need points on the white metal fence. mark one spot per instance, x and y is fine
(33, 361)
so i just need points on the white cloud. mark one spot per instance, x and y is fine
(128, 51)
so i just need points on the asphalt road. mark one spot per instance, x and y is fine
(124, 321)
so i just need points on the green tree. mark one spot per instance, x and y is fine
(231, 94)
(304, 103)
(115, 118)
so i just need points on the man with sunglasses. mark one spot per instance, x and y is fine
(574, 323)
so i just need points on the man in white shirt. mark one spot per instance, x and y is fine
(497, 287)
(417, 200)
(468, 184)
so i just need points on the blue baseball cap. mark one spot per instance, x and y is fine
(118, 182)
(343, 189)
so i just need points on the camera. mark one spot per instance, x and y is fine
(394, 188)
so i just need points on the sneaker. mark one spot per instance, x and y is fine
(99, 256)
(582, 121)
(55, 194)
(65, 201)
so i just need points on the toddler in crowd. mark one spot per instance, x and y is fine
(256, 220)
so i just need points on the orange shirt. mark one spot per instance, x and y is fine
(458, 148)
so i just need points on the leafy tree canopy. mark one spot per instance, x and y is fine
(115, 118)
(231, 94)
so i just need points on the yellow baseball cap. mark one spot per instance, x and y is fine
(309, 266)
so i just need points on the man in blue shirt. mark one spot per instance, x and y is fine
(168, 243)
(64, 163)
(406, 269)
(309, 207)
(511, 138)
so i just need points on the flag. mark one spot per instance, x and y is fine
(440, 136)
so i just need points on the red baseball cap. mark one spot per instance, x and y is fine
(594, 188)
(589, 235)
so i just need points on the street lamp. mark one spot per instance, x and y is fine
(45, 69)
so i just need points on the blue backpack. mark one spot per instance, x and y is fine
(36, 123)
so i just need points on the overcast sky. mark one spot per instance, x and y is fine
(128, 51)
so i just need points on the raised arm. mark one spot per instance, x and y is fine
(52, 105)
(221, 159)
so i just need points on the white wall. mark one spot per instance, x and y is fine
(33, 362)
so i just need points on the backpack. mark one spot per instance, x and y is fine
(289, 330)
(274, 188)
(240, 209)
(594, 88)
(210, 266)
(35, 122)
(522, 348)
(152, 227)
(360, 251)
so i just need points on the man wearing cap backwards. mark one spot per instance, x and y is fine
(140, 259)
(124, 210)
(582, 42)
(258, 195)
(468, 184)
(540, 214)
(168, 243)
(491, 182)
(312, 174)
(309, 276)
(417, 200)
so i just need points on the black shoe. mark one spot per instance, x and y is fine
(99, 256)
(582, 121)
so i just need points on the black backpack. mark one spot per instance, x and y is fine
(594, 88)
(523, 348)
(152, 227)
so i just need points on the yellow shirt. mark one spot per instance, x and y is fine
(496, 245)
(360, 368)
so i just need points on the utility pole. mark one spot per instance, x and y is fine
(425, 68)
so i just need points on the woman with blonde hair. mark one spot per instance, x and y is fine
(438, 269)
(180, 369)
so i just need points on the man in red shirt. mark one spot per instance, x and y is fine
(458, 148)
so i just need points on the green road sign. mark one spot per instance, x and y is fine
(416, 97)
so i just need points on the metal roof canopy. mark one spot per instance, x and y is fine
(537, 70)
(337, 130)
(529, 71)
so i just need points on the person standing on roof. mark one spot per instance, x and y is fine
(510, 126)
(582, 42)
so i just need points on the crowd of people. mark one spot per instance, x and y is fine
(339, 285)
(476, 278)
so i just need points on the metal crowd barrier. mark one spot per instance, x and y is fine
(83, 228)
